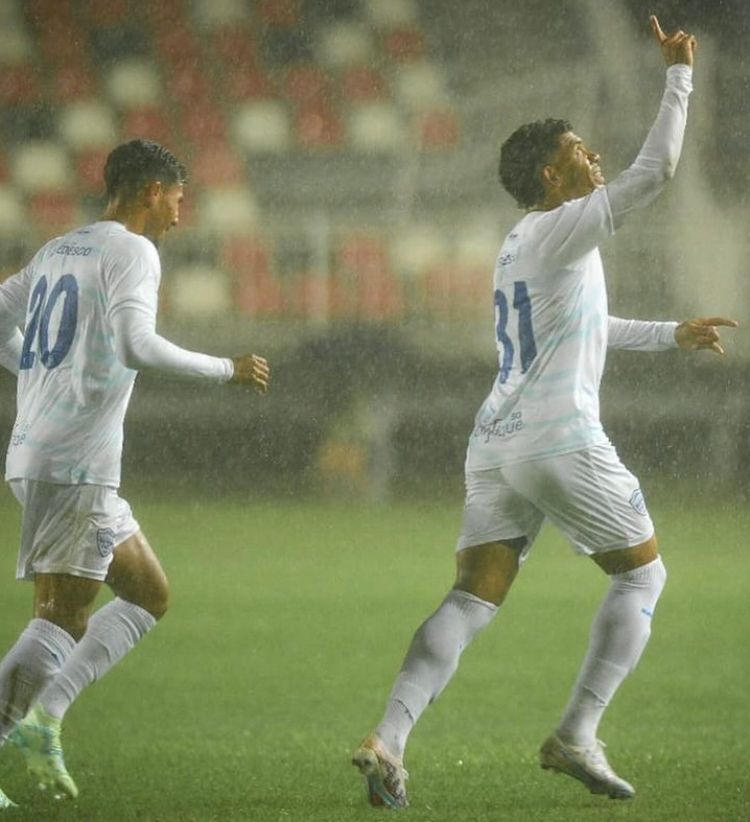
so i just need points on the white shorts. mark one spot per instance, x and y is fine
(70, 529)
(589, 495)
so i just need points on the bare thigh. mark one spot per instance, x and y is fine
(487, 571)
(136, 575)
(65, 600)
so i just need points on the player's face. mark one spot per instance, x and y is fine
(164, 212)
(577, 167)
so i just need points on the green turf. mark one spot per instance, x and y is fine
(288, 624)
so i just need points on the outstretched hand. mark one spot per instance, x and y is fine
(249, 369)
(676, 48)
(699, 333)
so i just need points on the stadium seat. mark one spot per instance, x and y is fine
(16, 45)
(72, 81)
(41, 166)
(53, 212)
(134, 82)
(419, 85)
(227, 209)
(178, 50)
(388, 14)
(216, 165)
(111, 44)
(278, 12)
(235, 45)
(28, 122)
(284, 45)
(19, 84)
(87, 124)
(149, 122)
(60, 42)
(439, 130)
(202, 122)
(262, 127)
(364, 283)
(213, 13)
(199, 291)
(305, 84)
(13, 217)
(167, 14)
(246, 83)
(111, 13)
(255, 290)
(376, 128)
(318, 127)
(362, 84)
(188, 85)
(342, 44)
(417, 249)
(89, 167)
(404, 44)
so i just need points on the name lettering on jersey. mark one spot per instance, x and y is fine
(500, 428)
(74, 250)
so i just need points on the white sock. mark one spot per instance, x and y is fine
(112, 631)
(430, 662)
(30, 664)
(619, 634)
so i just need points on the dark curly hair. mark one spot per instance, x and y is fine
(132, 165)
(524, 154)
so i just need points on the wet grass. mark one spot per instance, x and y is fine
(289, 622)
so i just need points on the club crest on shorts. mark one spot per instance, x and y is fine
(638, 502)
(105, 541)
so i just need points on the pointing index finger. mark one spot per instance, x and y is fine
(656, 28)
(720, 321)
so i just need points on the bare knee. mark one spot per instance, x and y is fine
(487, 571)
(65, 601)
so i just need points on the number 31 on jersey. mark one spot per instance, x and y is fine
(525, 337)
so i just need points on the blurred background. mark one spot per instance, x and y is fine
(343, 216)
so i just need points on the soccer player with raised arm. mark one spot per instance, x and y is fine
(87, 302)
(538, 449)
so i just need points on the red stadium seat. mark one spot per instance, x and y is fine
(247, 83)
(60, 42)
(305, 83)
(364, 285)
(72, 81)
(89, 166)
(53, 212)
(216, 165)
(203, 122)
(148, 122)
(361, 84)
(438, 130)
(189, 86)
(404, 44)
(106, 14)
(235, 45)
(318, 127)
(19, 84)
(278, 12)
(256, 292)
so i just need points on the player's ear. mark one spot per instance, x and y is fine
(151, 191)
(550, 177)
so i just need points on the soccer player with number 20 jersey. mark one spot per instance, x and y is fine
(538, 450)
(87, 304)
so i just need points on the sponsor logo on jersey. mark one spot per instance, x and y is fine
(105, 541)
(638, 503)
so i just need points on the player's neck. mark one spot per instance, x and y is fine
(132, 216)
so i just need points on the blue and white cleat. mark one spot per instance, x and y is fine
(587, 765)
(384, 774)
(37, 736)
(6, 802)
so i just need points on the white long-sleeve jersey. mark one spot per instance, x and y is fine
(87, 302)
(551, 314)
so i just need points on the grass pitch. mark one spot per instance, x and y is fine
(289, 622)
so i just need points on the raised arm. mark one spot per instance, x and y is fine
(657, 160)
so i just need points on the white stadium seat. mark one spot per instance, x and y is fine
(88, 124)
(199, 291)
(41, 166)
(227, 210)
(376, 127)
(263, 127)
(134, 83)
